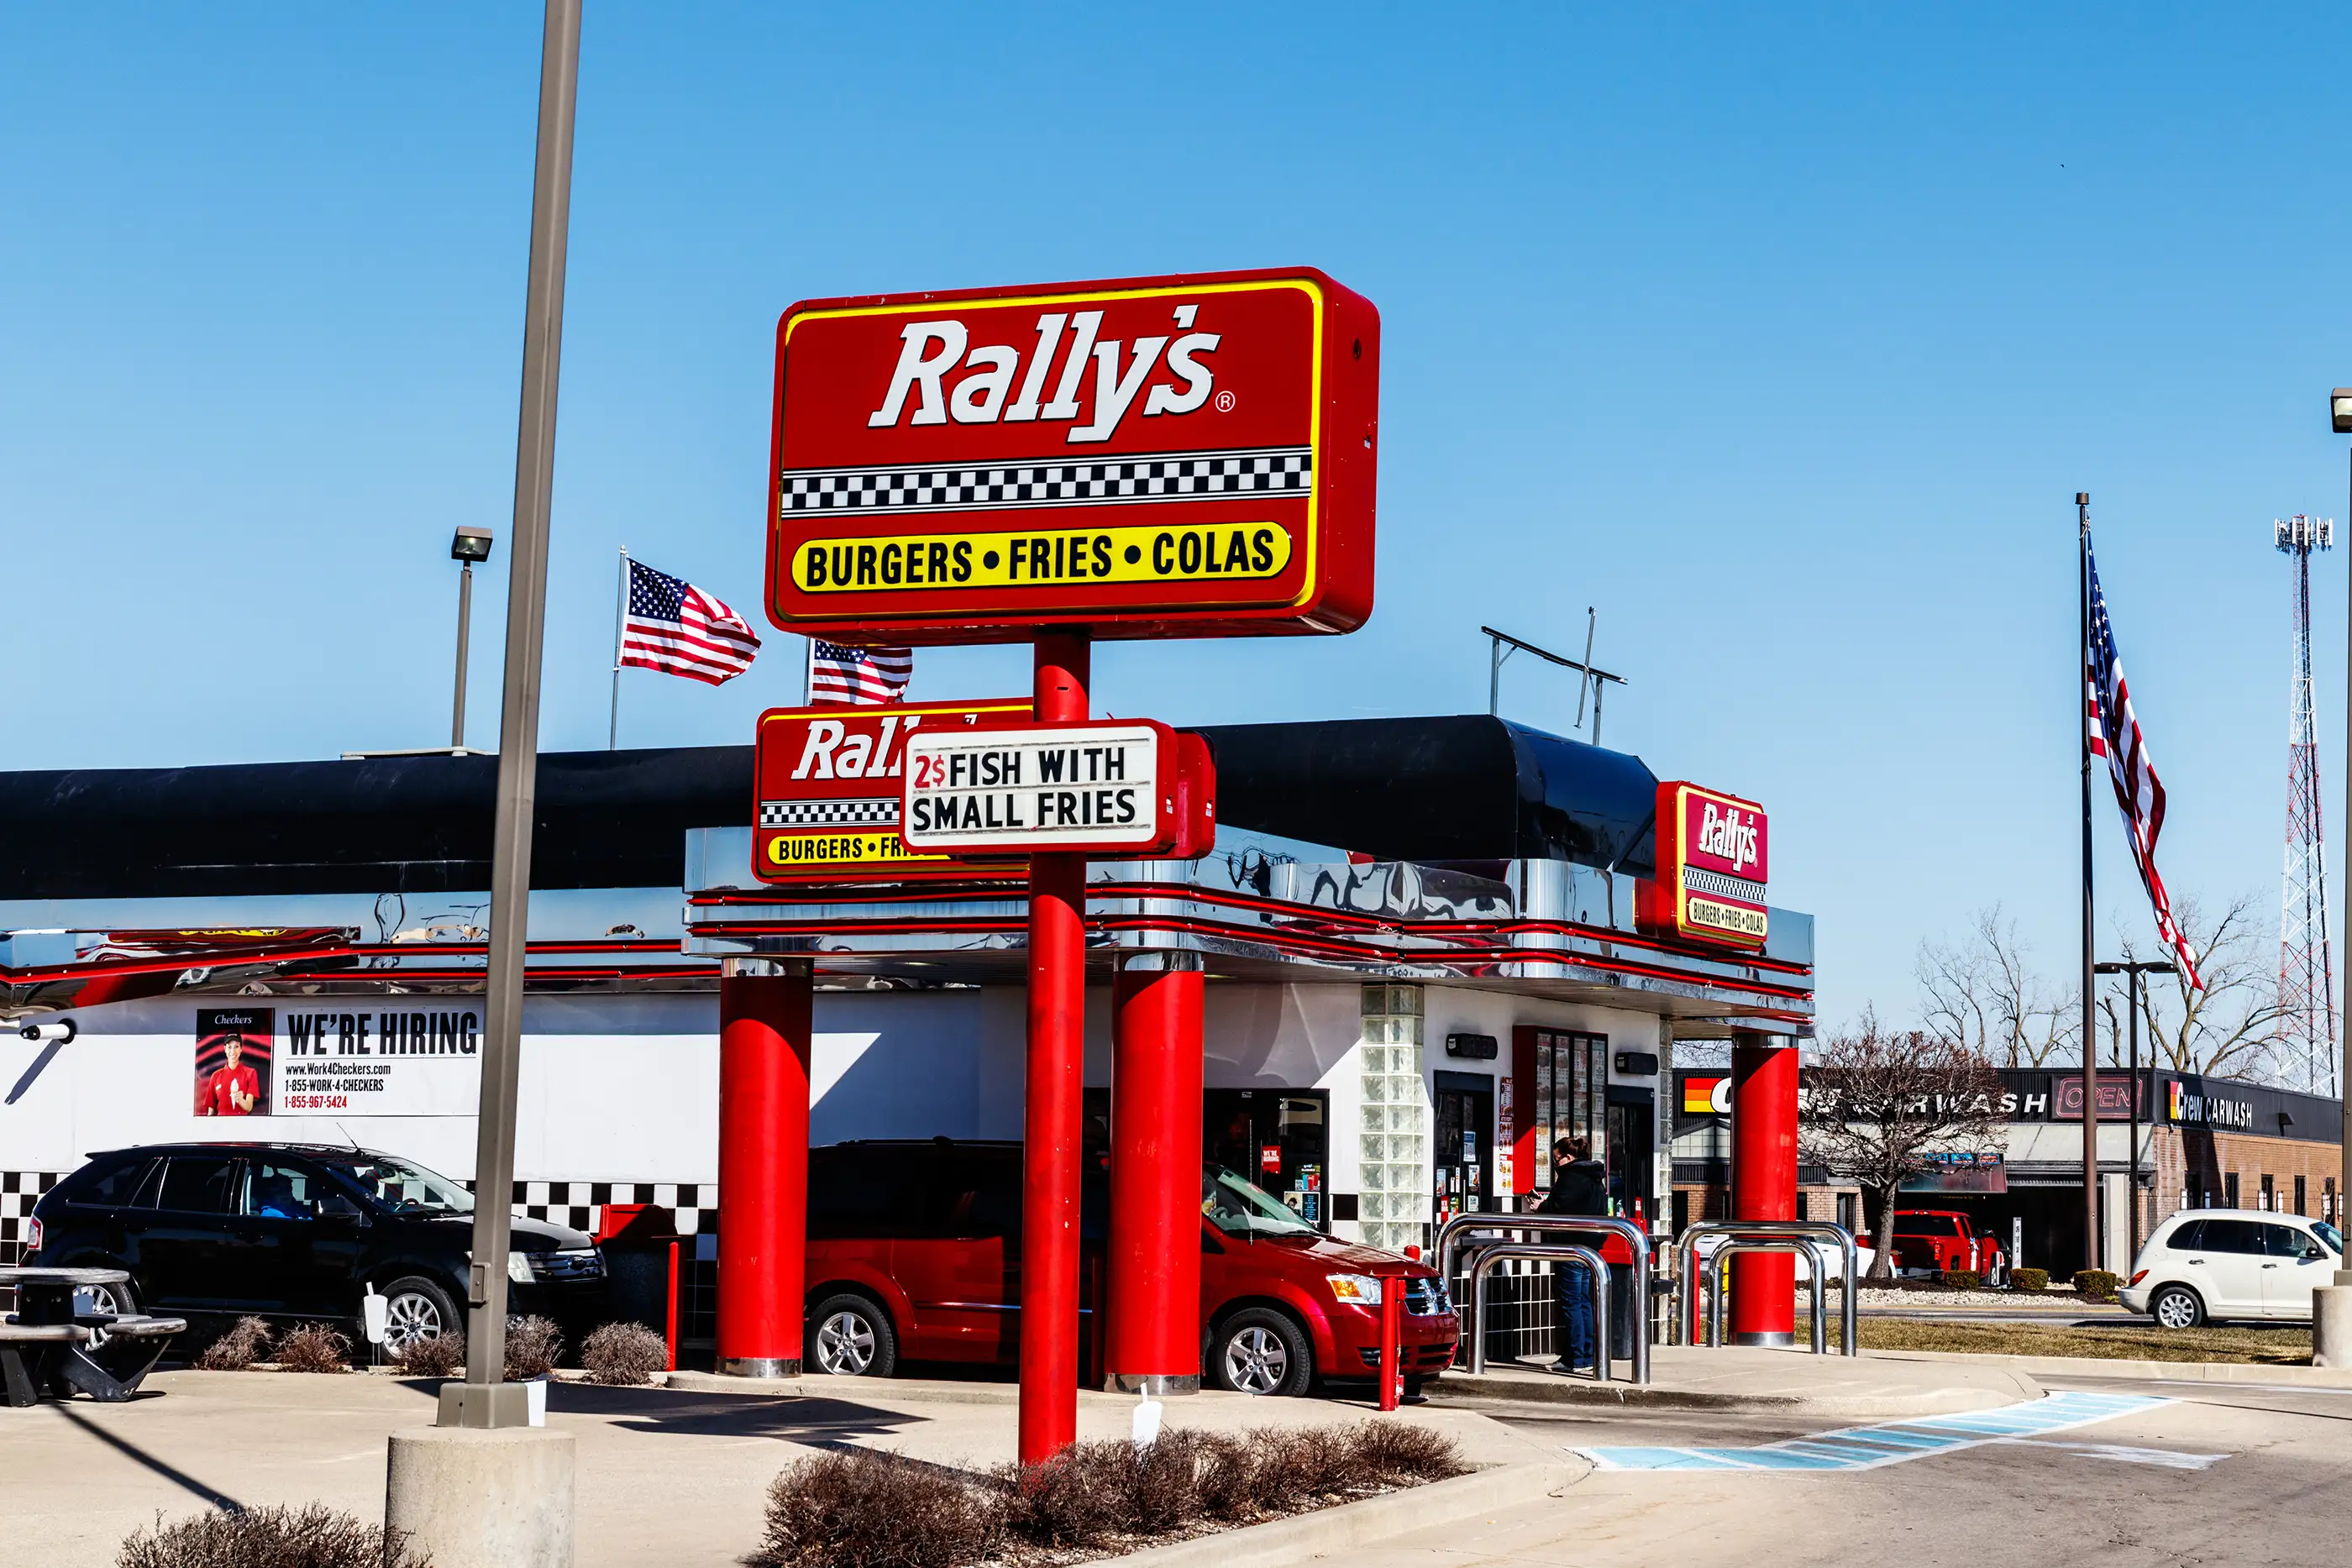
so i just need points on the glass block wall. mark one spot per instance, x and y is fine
(1394, 1149)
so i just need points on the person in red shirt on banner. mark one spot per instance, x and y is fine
(234, 1088)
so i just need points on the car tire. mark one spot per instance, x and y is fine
(118, 1300)
(849, 1335)
(2177, 1307)
(415, 1307)
(1261, 1351)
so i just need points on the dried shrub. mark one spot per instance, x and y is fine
(311, 1537)
(1962, 1280)
(2029, 1279)
(1226, 1476)
(1298, 1467)
(862, 1510)
(2097, 1284)
(1397, 1451)
(434, 1355)
(624, 1355)
(532, 1345)
(245, 1344)
(1074, 1499)
(314, 1347)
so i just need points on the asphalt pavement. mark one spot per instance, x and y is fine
(2187, 1475)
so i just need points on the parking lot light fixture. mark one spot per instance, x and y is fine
(469, 545)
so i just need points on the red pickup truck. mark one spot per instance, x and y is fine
(1942, 1239)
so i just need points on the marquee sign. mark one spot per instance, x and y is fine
(1713, 852)
(829, 789)
(1099, 787)
(1171, 456)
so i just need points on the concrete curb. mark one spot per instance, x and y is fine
(2141, 1371)
(1487, 1390)
(822, 1386)
(1283, 1541)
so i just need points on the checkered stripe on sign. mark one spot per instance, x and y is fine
(581, 1204)
(962, 487)
(19, 1191)
(829, 813)
(1699, 880)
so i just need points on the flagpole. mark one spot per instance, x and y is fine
(2090, 1032)
(808, 672)
(620, 623)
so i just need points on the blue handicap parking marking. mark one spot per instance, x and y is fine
(1895, 1443)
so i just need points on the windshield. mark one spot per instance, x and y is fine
(404, 1187)
(1238, 1208)
(2329, 1234)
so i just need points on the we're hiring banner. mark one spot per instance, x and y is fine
(1188, 456)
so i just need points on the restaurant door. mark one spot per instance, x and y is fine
(1632, 1119)
(1277, 1138)
(1463, 1157)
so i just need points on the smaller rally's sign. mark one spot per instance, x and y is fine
(1713, 856)
(828, 783)
(1096, 787)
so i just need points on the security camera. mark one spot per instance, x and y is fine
(60, 1031)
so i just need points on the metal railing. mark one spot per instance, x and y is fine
(1457, 1235)
(1809, 1237)
(1718, 1272)
(1484, 1255)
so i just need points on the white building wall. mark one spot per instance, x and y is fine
(623, 1088)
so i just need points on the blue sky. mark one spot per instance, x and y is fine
(1784, 336)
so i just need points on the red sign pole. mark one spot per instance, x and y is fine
(1057, 1016)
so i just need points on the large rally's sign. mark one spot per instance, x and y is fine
(1188, 455)
(1712, 863)
(1107, 787)
(829, 789)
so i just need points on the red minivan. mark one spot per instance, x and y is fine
(914, 1254)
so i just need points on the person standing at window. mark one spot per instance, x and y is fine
(1578, 1185)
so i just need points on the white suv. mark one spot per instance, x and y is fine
(2203, 1264)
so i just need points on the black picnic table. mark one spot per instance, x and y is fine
(50, 1345)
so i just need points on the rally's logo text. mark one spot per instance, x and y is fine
(932, 350)
(1730, 834)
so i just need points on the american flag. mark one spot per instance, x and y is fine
(860, 677)
(673, 626)
(2114, 735)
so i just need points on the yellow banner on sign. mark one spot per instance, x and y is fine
(1731, 919)
(839, 850)
(1203, 554)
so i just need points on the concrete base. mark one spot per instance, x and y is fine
(1158, 1385)
(487, 1405)
(470, 1498)
(760, 1367)
(2331, 1325)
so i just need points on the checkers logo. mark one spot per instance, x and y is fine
(1706, 1096)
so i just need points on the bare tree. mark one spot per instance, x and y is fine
(1883, 1101)
(1985, 993)
(2231, 1028)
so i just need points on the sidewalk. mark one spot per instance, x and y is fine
(676, 1477)
(1748, 1378)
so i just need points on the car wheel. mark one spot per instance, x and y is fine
(2177, 1307)
(416, 1309)
(112, 1299)
(1261, 1351)
(849, 1336)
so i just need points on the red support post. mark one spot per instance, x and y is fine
(1054, 1110)
(1763, 1184)
(1153, 1344)
(1391, 1341)
(763, 1119)
(669, 1318)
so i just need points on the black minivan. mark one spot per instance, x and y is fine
(298, 1232)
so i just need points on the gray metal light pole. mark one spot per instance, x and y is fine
(485, 1400)
(467, 546)
(2137, 970)
(2092, 1256)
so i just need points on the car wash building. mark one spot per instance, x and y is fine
(1429, 946)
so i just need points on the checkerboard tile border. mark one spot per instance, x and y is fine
(881, 814)
(969, 487)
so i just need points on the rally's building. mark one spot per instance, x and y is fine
(1422, 942)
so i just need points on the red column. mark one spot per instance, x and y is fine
(1053, 1109)
(763, 1122)
(1763, 1183)
(1154, 1334)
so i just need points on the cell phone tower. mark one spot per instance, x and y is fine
(2306, 983)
